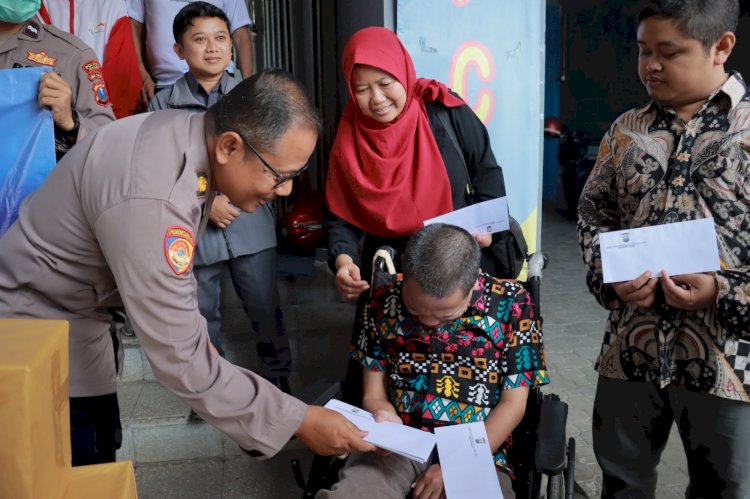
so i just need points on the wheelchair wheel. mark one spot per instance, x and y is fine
(556, 486)
(570, 472)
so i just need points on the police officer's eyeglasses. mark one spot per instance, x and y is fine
(281, 179)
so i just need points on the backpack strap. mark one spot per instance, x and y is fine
(509, 251)
(445, 120)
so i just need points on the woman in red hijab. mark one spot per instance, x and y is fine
(394, 164)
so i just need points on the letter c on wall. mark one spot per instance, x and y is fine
(474, 55)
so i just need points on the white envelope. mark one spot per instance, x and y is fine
(466, 462)
(486, 217)
(409, 442)
(679, 248)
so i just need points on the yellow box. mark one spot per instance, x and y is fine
(34, 408)
(97, 481)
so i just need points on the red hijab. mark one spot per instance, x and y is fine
(388, 178)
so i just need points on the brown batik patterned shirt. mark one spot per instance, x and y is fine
(654, 168)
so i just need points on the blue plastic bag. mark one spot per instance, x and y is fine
(27, 140)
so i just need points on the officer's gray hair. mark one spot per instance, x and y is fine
(263, 108)
(442, 258)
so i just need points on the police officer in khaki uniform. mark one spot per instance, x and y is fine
(116, 223)
(73, 89)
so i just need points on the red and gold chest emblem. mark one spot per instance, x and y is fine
(41, 57)
(178, 248)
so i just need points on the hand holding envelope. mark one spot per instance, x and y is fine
(679, 248)
(679, 253)
(404, 440)
(689, 292)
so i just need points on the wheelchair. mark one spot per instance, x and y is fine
(539, 445)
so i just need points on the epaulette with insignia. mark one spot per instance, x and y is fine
(32, 30)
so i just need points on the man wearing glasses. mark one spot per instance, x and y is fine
(116, 223)
(244, 243)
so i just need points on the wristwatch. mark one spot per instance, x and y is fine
(72, 134)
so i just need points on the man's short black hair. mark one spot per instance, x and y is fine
(702, 20)
(442, 258)
(262, 108)
(191, 11)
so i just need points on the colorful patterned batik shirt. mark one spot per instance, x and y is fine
(454, 373)
(654, 168)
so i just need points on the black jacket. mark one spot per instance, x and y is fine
(484, 175)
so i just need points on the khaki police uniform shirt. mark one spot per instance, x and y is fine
(46, 46)
(249, 233)
(116, 223)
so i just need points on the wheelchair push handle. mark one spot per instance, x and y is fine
(537, 263)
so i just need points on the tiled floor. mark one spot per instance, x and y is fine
(192, 460)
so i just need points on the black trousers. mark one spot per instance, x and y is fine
(95, 429)
(632, 422)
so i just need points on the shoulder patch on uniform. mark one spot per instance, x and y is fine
(41, 57)
(101, 96)
(93, 70)
(91, 66)
(202, 190)
(178, 248)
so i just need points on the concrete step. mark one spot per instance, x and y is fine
(157, 428)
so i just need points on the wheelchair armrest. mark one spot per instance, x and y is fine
(550, 444)
(320, 392)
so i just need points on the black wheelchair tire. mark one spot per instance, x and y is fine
(556, 486)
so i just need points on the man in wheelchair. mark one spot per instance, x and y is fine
(447, 344)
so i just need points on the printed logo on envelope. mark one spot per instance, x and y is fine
(625, 237)
(178, 248)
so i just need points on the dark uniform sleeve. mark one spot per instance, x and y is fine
(147, 245)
